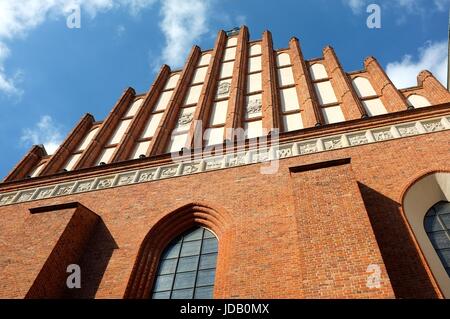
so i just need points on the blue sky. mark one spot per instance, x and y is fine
(50, 75)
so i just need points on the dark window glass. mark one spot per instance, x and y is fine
(187, 267)
(437, 226)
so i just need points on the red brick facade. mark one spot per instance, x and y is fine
(310, 230)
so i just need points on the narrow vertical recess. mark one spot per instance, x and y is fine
(238, 85)
(392, 99)
(167, 123)
(203, 110)
(351, 105)
(307, 95)
(138, 124)
(270, 100)
(106, 130)
(69, 146)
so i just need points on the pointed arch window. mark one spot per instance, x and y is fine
(437, 226)
(187, 267)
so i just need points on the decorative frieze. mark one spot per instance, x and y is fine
(334, 143)
(433, 126)
(383, 135)
(308, 148)
(408, 130)
(358, 139)
(249, 157)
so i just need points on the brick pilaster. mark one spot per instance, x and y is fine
(311, 115)
(238, 82)
(392, 99)
(435, 91)
(106, 129)
(163, 132)
(346, 95)
(125, 148)
(204, 106)
(270, 99)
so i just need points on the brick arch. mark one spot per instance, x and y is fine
(426, 254)
(168, 228)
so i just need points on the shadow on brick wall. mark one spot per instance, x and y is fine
(94, 262)
(404, 266)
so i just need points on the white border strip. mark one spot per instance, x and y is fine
(229, 160)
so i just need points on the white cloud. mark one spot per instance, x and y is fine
(183, 23)
(355, 5)
(432, 57)
(6, 84)
(442, 5)
(17, 18)
(408, 6)
(46, 132)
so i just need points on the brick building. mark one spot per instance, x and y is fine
(356, 207)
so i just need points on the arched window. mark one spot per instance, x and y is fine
(437, 226)
(187, 267)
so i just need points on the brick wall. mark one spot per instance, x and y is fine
(279, 236)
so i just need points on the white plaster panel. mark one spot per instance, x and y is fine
(163, 101)
(120, 131)
(292, 122)
(253, 129)
(106, 155)
(418, 101)
(152, 125)
(318, 72)
(38, 170)
(333, 114)
(289, 100)
(177, 142)
(286, 76)
(88, 139)
(227, 69)
(325, 93)
(134, 108)
(232, 42)
(254, 64)
(193, 94)
(363, 87)
(219, 113)
(214, 136)
(200, 75)
(230, 54)
(172, 82)
(283, 59)
(72, 162)
(255, 49)
(205, 59)
(254, 83)
(141, 149)
(252, 104)
(374, 107)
